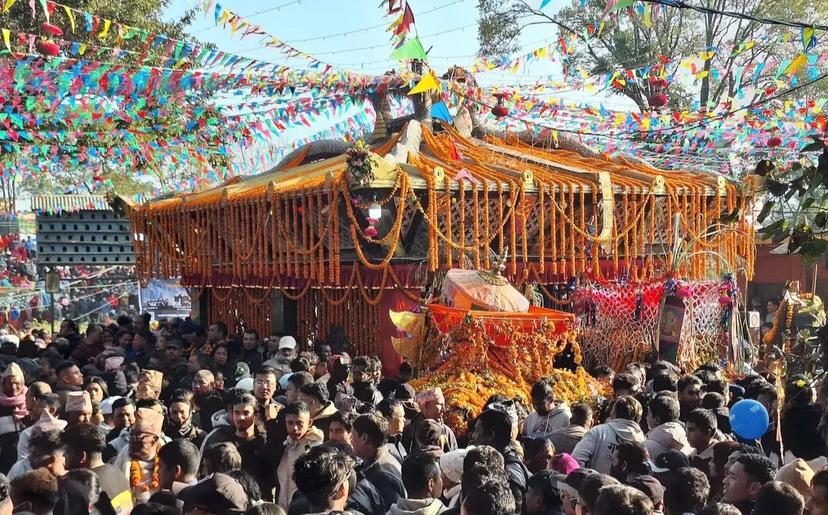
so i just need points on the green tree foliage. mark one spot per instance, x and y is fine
(795, 205)
(620, 41)
(169, 123)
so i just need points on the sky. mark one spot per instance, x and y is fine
(447, 29)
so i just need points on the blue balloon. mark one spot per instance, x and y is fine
(749, 419)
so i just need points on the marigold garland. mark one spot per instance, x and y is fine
(136, 476)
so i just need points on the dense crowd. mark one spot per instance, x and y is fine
(183, 420)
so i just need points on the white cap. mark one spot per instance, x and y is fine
(287, 342)
(106, 404)
(245, 384)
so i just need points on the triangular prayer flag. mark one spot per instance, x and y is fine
(441, 112)
(7, 39)
(809, 40)
(405, 24)
(427, 83)
(70, 15)
(796, 64)
(410, 50)
(544, 3)
(7, 4)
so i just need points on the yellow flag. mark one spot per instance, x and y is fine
(427, 83)
(82, 49)
(105, 30)
(71, 16)
(7, 4)
(7, 39)
(796, 64)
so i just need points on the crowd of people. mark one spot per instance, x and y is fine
(185, 420)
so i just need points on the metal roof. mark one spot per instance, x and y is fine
(69, 203)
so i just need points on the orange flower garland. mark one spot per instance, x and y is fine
(136, 476)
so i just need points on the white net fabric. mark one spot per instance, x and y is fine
(619, 324)
(702, 336)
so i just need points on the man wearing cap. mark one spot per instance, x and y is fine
(285, 353)
(139, 460)
(46, 407)
(150, 383)
(432, 405)
(78, 408)
(12, 413)
(174, 358)
(217, 494)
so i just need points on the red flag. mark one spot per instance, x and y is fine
(405, 24)
(453, 152)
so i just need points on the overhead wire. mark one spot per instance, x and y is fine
(681, 4)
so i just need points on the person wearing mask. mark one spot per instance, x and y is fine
(137, 461)
(666, 432)
(494, 427)
(285, 353)
(370, 434)
(542, 495)
(744, 479)
(85, 444)
(177, 465)
(302, 435)
(549, 414)
(566, 438)
(776, 498)
(180, 421)
(598, 447)
(423, 483)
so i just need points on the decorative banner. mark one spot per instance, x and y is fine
(165, 299)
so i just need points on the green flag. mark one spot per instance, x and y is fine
(410, 50)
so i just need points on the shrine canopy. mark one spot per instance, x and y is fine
(446, 200)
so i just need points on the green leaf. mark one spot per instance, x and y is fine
(766, 209)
